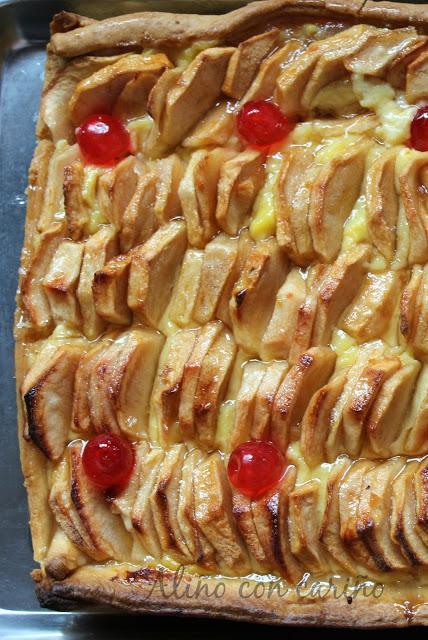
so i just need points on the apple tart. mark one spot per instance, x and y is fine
(222, 317)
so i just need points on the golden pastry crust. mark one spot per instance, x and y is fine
(62, 582)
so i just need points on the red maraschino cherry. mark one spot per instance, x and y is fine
(103, 139)
(255, 467)
(419, 130)
(262, 123)
(108, 461)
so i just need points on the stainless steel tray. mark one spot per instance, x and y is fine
(23, 35)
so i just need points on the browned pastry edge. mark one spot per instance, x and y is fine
(134, 593)
(167, 29)
(75, 35)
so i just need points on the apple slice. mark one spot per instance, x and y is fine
(216, 129)
(110, 290)
(169, 171)
(263, 85)
(245, 402)
(186, 290)
(142, 515)
(415, 78)
(116, 188)
(416, 432)
(304, 527)
(382, 203)
(413, 200)
(124, 502)
(264, 399)
(244, 519)
(76, 211)
(60, 283)
(138, 221)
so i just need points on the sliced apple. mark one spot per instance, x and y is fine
(245, 402)
(415, 79)
(304, 528)
(212, 385)
(200, 549)
(76, 211)
(264, 399)
(170, 171)
(116, 188)
(420, 484)
(414, 202)
(253, 296)
(245, 245)
(386, 417)
(186, 289)
(98, 250)
(81, 416)
(139, 221)
(220, 257)
(195, 92)
(60, 283)
(417, 419)
(312, 370)
(246, 60)
(241, 507)
(154, 146)
(263, 85)
(380, 49)
(373, 516)
(317, 419)
(333, 196)
(168, 382)
(213, 512)
(198, 193)
(154, 268)
(124, 502)
(240, 181)
(63, 556)
(47, 392)
(281, 328)
(142, 515)
(105, 528)
(338, 287)
(413, 314)
(215, 129)
(110, 290)
(99, 92)
(382, 202)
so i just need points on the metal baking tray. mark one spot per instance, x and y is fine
(24, 31)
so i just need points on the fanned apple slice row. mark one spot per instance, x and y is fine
(264, 399)
(164, 504)
(154, 268)
(142, 515)
(200, 549)
(53, 200)
(385, 422)
(219, 260)
(213, 511)
(304, 527)
(75, 207)
(166, 393)
(413, 311)
(186, 292)
(66, 514)
(81, 414)
(47, 393)
(124, 502)
(205, 338)
(369, 314)
(98, 92)
(416, 424)
(317, 419)
(105, 528)
(243, 515)
(330, 525)
(253, 296)
(413, 199)
(198, 193)
(98, 250)
(277, 338)
(212, 385)
(263, 85)
(270, 516)
(60, 283)
(139, 221)
(311, 371)
(169, 171)
(296, 177)
(240, 180)
(382, 203)
(254, 372)
(357, 409)
(338, 287)
(374, 514)
(33, 293)
(121, 382)
(349, 496)
(193, 94)
(404, 520)
(110, 290)
(333, 196)
(116, 188)
(246, 60)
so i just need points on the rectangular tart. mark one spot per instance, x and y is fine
(205, 283)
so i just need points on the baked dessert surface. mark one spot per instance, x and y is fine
(201, 293)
